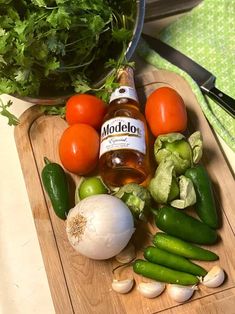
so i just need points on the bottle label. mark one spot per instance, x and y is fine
(124, 92)
(122, 133)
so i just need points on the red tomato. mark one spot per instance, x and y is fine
(79, 148)
(84, 108)
(165, 111)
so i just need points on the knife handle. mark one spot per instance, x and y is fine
(225, 101)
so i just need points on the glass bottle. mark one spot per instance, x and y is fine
(124, 139)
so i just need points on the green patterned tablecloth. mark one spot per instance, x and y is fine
(207, 35)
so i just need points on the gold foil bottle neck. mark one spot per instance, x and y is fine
(125, 77)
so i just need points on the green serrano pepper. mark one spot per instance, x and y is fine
(164, 258)
(183, 226)
(205, 205)
(163, 274)
(177, 246)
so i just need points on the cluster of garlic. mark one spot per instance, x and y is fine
(214, 278)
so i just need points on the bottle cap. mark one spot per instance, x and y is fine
(125, 77)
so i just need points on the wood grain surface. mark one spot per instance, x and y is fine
(80, 285)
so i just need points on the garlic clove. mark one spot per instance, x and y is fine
(214, 278)
(127, 254)
(151, 289)
(122, 286)
(180, 293)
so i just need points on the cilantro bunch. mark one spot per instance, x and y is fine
(54, 47)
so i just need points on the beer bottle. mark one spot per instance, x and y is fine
(124, 140)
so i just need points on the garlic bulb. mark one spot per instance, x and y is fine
(214, 278)
(122, 286)
(151, 289)
(180, 293)
(127, 254)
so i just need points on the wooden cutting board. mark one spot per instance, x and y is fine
(80, 285)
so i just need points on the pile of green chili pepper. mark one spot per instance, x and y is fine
(168, 259)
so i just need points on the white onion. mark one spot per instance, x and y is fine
(99, 226)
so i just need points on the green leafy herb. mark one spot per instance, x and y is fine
(12, 119)
(53, 110)
(59, 46)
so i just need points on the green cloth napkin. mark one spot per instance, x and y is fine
(207, 35)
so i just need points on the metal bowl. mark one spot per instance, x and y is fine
(140, 14)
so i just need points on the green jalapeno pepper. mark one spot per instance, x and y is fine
(177, 246)
(205, 205)
(55, 183)
(183, 226)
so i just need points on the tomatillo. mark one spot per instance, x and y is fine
(90, 186)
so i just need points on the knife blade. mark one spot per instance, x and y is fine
(201, 76)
